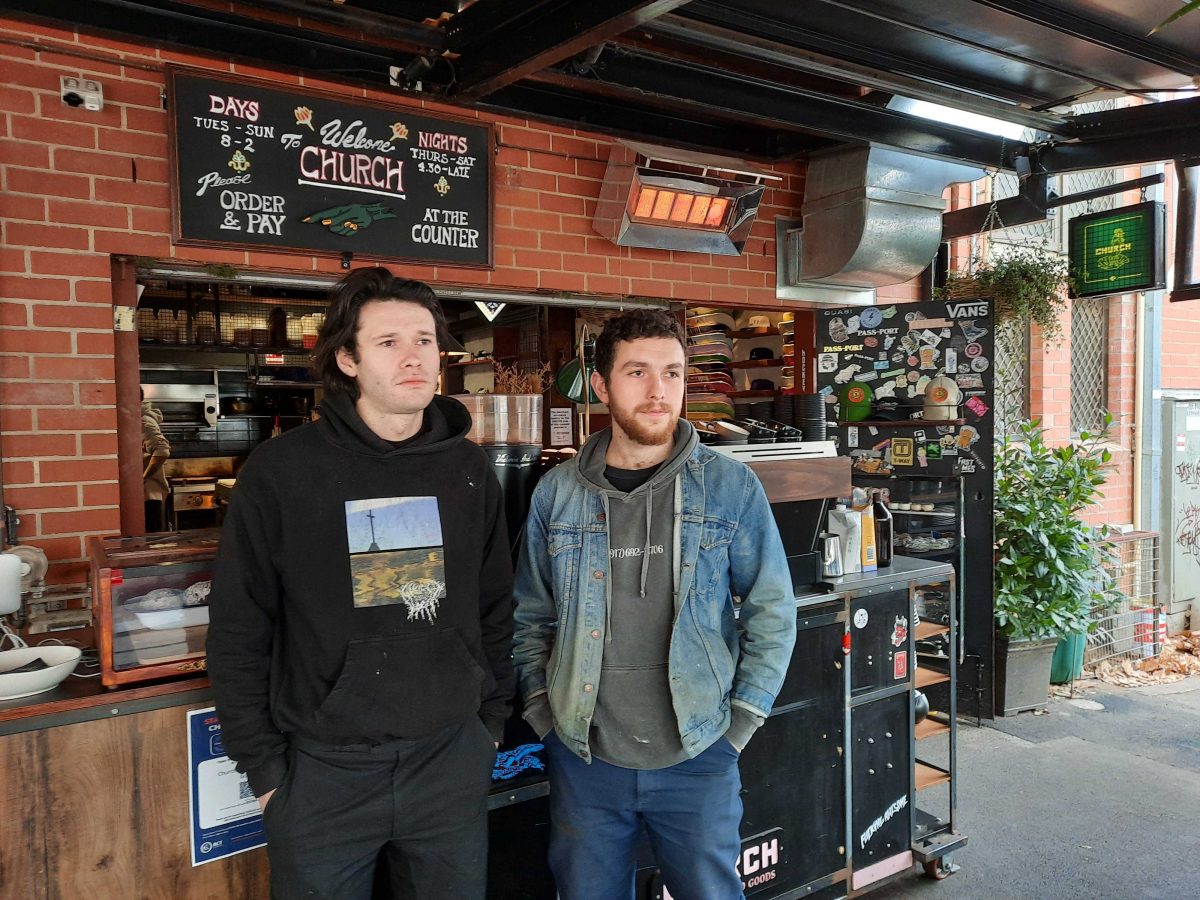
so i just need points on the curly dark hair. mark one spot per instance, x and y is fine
(631, 326)
(340, 329)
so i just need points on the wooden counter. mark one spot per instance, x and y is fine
(94, 799)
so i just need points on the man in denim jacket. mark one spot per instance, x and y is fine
(636, 671)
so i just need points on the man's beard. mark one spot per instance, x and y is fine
(641, 433)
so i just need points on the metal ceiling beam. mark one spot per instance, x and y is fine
(621, 115)
(624, 100)
(1029, 205)
(750, 46)
(1126, 137)
(920, 28)
(500, 42)
(166, 23)
(876, 58)
(1094, 32)
(798, 109)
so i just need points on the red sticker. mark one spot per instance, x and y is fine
(900, 664)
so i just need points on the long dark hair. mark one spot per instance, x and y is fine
(340, 329)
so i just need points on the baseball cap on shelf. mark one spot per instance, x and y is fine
(762, 353)
(759, 324)
(762, 384)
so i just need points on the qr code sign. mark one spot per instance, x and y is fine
(244, 792)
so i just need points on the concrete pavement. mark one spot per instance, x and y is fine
(1080, 804)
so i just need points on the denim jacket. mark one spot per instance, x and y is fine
(727, 545)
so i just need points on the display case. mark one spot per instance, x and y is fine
(150, 601)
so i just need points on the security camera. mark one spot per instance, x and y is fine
(85, 92)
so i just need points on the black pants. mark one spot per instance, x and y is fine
(422, 803)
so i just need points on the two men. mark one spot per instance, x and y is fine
(361, 623)
(637, 668)
(361, 617)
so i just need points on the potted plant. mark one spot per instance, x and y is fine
(511, 413)
(1049, 565)
(1028, 284)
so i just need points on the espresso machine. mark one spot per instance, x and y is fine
(802, 479)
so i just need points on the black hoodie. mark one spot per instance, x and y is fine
(362, 590)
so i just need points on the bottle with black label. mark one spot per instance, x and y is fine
(883, 529)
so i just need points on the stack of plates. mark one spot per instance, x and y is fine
(783, 410)
(808, 411)
(709, 378)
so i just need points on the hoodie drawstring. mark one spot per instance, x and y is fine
(646, 549)
(607, 581)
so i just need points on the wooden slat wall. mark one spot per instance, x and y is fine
(100, 810)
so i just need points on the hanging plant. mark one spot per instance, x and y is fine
(1028, 285)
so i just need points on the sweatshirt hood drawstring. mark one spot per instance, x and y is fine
(646, 549)
(607, 581)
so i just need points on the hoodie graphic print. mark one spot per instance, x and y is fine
(396, 554)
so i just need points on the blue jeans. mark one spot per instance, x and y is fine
(691, 811)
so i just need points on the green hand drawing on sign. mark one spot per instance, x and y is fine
(350, 219)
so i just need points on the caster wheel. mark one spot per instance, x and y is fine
(937, 869)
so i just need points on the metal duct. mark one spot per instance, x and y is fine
(871, 217)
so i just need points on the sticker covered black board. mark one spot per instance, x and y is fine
(884, 367)
(310, 171)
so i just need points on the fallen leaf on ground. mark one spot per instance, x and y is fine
(1179, 659)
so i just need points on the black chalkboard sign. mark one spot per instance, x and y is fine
(313, 171)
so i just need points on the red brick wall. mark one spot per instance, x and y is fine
(79, 187)
(1050, 379)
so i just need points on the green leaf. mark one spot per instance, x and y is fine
(1179, 13)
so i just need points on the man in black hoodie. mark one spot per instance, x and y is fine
(361, 617)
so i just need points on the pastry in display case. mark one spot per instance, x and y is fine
(151, 604)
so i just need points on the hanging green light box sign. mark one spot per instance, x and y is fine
(1118, 251)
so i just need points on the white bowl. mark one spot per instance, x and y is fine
(60, 662)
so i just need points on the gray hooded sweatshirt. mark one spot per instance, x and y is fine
(634, 723)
